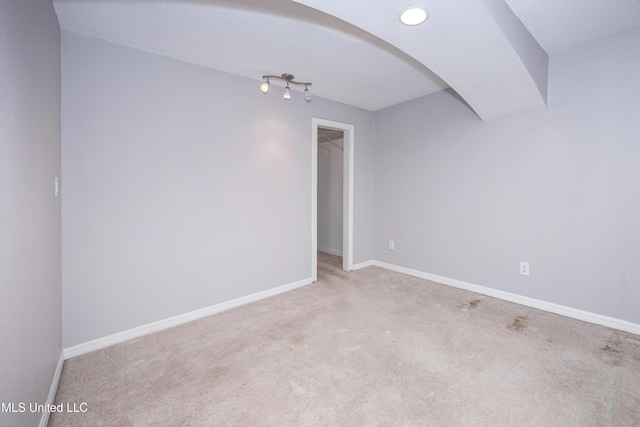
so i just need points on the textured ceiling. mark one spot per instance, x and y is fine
(357, 52)
(563, 24)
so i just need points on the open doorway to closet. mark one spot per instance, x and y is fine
(332, 192)
(330, 172)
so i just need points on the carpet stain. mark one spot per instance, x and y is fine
(472, 304)
(217, 372)
(296, 339)
(613, 346)
(518, 324)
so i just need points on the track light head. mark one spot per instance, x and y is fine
(287, 93)
(307, 95)
(264, 87)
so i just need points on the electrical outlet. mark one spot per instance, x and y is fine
(392, 245)
(524, 268)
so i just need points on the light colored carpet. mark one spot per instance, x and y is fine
(371, 347)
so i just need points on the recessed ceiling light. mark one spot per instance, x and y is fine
(413, 15)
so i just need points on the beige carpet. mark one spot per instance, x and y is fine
(371, 347)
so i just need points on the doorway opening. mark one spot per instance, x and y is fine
(330, 173)
(326, 138)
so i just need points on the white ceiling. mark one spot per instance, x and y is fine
(356, 51)
(563, 24)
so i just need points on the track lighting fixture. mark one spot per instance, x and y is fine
(264, 87)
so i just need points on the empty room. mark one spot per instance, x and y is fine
(308, 212)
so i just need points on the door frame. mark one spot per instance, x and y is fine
(347, 193)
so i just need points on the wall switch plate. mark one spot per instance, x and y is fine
(392, 245)
(524, 268)
(56, 187)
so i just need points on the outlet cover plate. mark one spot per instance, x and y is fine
(524, 268)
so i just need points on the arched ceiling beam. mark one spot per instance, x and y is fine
(478, 47)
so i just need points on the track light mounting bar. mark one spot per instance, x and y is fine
(287, 78)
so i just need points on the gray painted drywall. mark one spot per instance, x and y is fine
(185, 187)
(30, 320)
(559, 188)
(330, 173)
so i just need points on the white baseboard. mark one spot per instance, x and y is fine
(44, 419)
(562, 310)
(330, 251)
(363, 264)
(149, 328)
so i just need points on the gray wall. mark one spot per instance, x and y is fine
(330, 173)
(184, 187)
(558, 188)
(30, 337)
